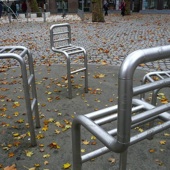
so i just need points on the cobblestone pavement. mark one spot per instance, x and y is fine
(106, 43)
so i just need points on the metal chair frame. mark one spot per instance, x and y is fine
(123, 112)
(19, 53)
(60, 40)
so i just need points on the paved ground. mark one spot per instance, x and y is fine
(106, 42)
(107, 45)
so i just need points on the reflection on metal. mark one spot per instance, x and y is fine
(19, 53)
(127, 104)
(60, 40)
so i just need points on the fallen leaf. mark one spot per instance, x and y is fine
(37, 165)
(46, 156)
(46, 162)
(162, 142)
(29, 153)
(66, 165)
(11, 154)
(151, 150)
(57, 131)
(85, 142)
(93, 138)
(166, 134)
(112, 160)
(16, 104)
(54, 145)
(99, 76)
(12, 167)
(83, 150)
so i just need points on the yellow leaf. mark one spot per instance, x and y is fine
(16, 104)
(140, 130)
(166, 134)
(50, 120)
(57, 131)
(16, 113)
(37, 165)
(58, 124)
(83, 150)
(54, 145)
(99, 76)
(162, 142)
(46, 156)
(85, 142)
(40, 136)
(20, 121)
(45, 128)
(41, 145)
(93, 138)
(3, 109)
(6, 148)
(29, 153)
(66, 165)
(16, 134)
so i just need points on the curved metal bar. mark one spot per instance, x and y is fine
(65, 47)
(8, 52)
(125, 87)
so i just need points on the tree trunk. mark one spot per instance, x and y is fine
(97, 11)
(127, 9)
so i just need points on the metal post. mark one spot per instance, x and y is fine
(82, 9)
(69, 78)
(76, 147)
(9, 17)
(44, 16)
(123, 160)
(26, 16)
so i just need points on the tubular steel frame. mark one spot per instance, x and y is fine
(11, 52)
(124, 109)
(152, 77)
(68, 50)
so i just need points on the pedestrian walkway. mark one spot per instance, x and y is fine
(107, 45)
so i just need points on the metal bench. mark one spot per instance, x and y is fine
(122, 113)
(60, 39)
(20, 53)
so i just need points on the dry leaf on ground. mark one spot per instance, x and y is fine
(12, 167)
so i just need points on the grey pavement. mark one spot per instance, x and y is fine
(107, 45)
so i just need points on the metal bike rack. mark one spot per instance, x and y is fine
(152, 77)
(60, 39)
(122, 112)
(19, 53)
